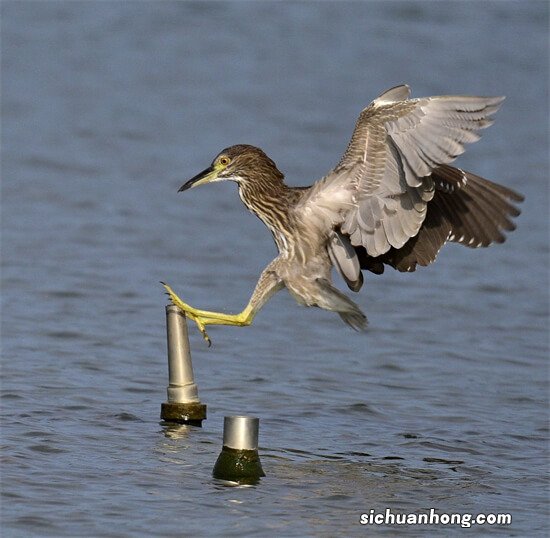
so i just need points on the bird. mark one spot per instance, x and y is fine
(392, 200)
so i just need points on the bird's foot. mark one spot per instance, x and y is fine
(189, 311)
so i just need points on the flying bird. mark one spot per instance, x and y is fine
(393, 199)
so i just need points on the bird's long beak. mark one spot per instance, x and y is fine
(203, 177)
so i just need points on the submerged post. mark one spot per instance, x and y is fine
(183, 403)
(239, 460)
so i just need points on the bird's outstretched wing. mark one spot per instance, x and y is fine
(465, 209)
(378, 193)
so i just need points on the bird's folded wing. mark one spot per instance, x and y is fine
(378, 193)
(344, 258)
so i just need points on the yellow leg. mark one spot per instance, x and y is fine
(205, 317)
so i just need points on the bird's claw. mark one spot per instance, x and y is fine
(189, 312)
(201, 327)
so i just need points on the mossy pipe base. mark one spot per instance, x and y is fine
(191, 413)
(240, 466)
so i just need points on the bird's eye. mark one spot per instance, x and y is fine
(224, 161)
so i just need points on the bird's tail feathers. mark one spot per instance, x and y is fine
(356, 320)
(333, 299)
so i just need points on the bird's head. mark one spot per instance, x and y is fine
(241, 163)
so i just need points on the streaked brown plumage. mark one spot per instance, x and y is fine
(393, 199)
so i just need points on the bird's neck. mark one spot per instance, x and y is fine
(269, 201)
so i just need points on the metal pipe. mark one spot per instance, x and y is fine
(241, 432)
(239, 461)
(181, 382)
(183, 403)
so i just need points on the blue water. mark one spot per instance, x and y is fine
(107, 107)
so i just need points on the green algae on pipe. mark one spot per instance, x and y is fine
(239, 461)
